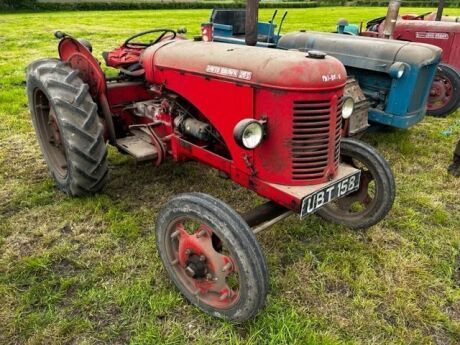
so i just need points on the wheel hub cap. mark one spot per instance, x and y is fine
(203, 268)
(440, 93)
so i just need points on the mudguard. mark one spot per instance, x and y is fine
(80, 58)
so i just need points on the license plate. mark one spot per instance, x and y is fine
(329, 193)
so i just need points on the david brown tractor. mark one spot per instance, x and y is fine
(389, 80)
(435, 29)
(270, 120)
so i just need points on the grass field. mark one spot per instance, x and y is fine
(85, 271)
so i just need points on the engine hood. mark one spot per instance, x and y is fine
(260, 67)
(428, 26)
(363, 52)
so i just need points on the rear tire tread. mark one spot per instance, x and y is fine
(77, 118)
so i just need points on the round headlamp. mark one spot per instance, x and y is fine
(397, 70)
(348, 106)
(248, 133)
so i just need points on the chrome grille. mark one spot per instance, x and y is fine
(311, 139)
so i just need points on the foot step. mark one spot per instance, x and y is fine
(138, 145)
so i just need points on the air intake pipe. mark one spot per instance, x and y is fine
(390, 19)
(252, 17)
(440, 10)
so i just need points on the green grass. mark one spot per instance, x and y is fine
(85, 271)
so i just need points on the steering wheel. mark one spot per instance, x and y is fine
(421, 16)
(158, 39)
(374, 21)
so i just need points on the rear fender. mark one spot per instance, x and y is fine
(80, 58)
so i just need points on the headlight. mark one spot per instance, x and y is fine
(347, 107)
(397, 70)
(248, 133)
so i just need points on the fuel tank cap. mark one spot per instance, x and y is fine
(316, 54)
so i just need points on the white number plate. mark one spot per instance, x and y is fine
(329, 193)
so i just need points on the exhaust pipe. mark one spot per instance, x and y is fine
(390, 19)
(440, 10)
(252, 17)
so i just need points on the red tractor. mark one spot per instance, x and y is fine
(268, 119)
(430, 28)
(433, 16)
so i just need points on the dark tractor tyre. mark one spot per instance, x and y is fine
(212, 256)
(444, 97)
(375, 196)
(67, 125)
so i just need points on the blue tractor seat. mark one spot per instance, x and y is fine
(230, 23)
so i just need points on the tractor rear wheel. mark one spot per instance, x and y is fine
(212, 256)
(375, 196)
(67, 125)
(444, 96)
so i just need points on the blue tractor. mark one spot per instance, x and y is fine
(388, 80)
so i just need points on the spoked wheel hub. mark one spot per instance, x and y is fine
(212, 256)
(203, 265)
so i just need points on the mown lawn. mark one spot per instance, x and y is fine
(85, 271)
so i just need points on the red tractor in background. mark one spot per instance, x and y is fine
(430, 28)
(433, 16)
(269, 119)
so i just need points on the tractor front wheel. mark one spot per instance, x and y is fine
(212, 256)
(67, 126)
(375, 196)
(444, 96)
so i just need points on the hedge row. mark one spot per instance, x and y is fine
(421, 3)
(40, 6)
(384, 3)
(12, 5)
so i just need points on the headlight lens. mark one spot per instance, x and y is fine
(248, 133)
(397, 70)
(348, 107)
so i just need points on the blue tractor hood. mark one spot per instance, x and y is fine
(363, 52)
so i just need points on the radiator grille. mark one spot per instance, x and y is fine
(311, 139)
(420, 94)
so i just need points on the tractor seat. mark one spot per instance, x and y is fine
(236, 18)
(126, 60)
(233, 17)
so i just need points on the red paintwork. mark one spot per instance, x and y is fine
(442, 92)
(430, 17)
(207, 32)
(277, 84)
(128, 55)
(443, 34)
(213, 292)
(80, 58)
(123, 56)
(267, 86)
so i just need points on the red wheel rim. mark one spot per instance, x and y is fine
(202, 263)
(440, 92)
